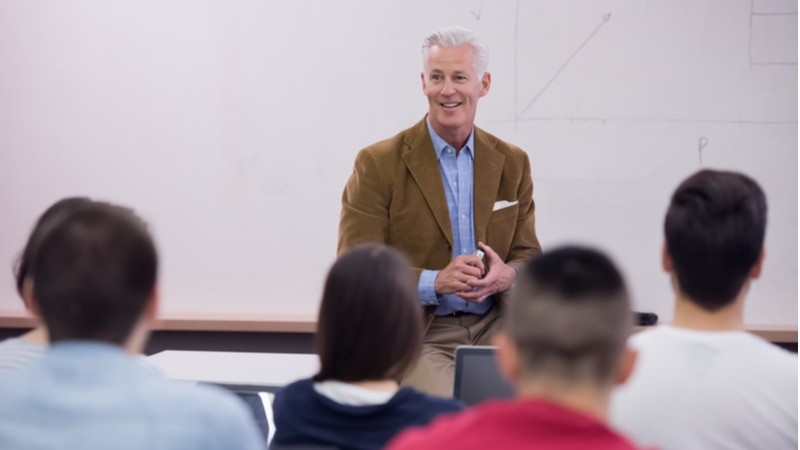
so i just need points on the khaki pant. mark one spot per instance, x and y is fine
(434, 373)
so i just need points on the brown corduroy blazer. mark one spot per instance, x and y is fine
(395, 196)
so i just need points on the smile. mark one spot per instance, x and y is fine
(450, 105)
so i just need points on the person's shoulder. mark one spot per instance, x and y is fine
(651, 336)
(770, 354)
(294, 391)
(16, 354)
(397, 144)
(19, 384)
(506, 148)
(224, 417)
(431, 403)
(443, 432)
(177, 398)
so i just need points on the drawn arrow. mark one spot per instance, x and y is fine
(477, 16)
(603, 22)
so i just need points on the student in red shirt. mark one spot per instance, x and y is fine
(563, 347)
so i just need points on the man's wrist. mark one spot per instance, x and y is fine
(516, 275)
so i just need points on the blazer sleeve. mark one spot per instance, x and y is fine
(365, 205)
(525, 244)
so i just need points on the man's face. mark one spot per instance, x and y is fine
(453, 88)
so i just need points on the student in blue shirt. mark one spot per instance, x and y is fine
(369, 335)
(18, 352)
(94, 283)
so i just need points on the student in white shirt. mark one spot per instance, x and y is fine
(702, 382)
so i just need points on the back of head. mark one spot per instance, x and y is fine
(370, 325)
(569, 317)
(714, 232)
(94, 272)
(451, 37)
(56, 211)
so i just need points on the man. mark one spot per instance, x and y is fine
(563, 347)
(94, 273)
(439, 190)
(703, 382)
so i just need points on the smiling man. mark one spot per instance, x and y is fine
(438, 191)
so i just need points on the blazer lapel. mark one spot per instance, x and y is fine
(424, 167)
(488, 168)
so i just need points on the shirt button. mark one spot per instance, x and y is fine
(463, 217)
(464, 251)
(455, 184)
(449, 150)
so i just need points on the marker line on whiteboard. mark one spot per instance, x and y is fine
(701, 145)
(575, 53)
(478, 15)
(750, 37)
(667, 120)
(516, 70)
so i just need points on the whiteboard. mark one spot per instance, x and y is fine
(232, 127)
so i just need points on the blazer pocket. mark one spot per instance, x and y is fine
(506, 213)
(501, 229)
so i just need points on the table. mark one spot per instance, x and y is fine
(262, 371)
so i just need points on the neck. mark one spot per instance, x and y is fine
(689, 315)
(37, 336)
(455, 137)
(586, 398)
(377, 385)
(138, 337)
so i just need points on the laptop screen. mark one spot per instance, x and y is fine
(477, 376)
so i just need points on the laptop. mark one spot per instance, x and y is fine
(477, 376)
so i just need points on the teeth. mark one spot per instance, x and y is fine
(450, 105)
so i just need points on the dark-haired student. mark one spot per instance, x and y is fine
(563, 347)
(94, 275)
(369, 334)
(20, 351)
(702, 382)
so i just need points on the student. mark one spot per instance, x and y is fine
(21, 351)
(563, 347)
(702, 381)
(369, 334)
(18, 352)
(95, 287)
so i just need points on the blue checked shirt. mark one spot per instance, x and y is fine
(457, 176)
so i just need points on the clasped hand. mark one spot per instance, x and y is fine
(462, 276)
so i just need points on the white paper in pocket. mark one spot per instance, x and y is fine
(504, 204)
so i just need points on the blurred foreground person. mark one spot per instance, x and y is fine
(369, 334)
(20, 351)
(563, 347)
(95, 287)
(702, 381)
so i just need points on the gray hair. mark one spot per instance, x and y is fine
(452, 37)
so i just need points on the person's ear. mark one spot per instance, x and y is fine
(422, 76)
(626, 364)
(507, 357)
(755, 271)
(486, 83)
(28, 299)
(666, 260)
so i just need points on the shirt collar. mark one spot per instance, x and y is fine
(439, 144)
